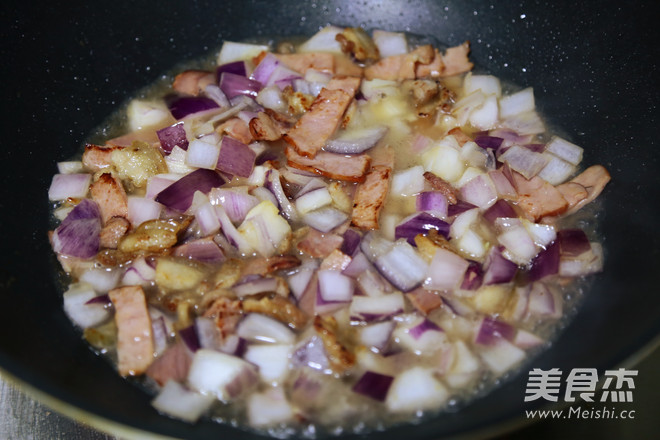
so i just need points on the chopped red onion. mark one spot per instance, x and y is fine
(236, 68)
(235, 157)
(221, 375)
(80, 308)
(139, 273)
(479, 191)
(141, 209)
(230, 231)
(498, 269)
(172, 136)
(179, 195)
(390, 43)
(189, 337)
(202, 154)
(377, 335)
(78, 234)
(492, 142)
(491, 329)
(587, 263)
(205, 250)
(103, 299)
(212, 91)
(359, 264)
(543, 302)
(182, 106)
(376, 308)
(233, 85)
(459, 207)
(282, 77)
(565, 150)
(312, 185)
(373, 385)
(298, 281)
(333, 286)
(520, 248)
(265, 68)
(432, 201)
(372, 283)
(257, 327)
(310, 353)
(159, 333)
(323, 307)
(313, 200)
(64, 186)
(325, 219)
(573, 242)
(235, 202)
(502, 355)
(158, 183)
(420, 223)
(527, 340)
(252, 287)
(351, 242)
(207, 219)
(501, 208)
(546, 263)
(356, 141)
(474, 275)
(101, 279)
(402, 266)
(502, 184)
(274, 184)
(446, 271)
(426, 325)
(177, 401)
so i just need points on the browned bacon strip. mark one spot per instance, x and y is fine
(265, 265)
(236, 128)
(402, 66)
(319, 245)
(333, 166)
(369, 198)
(278, 307)
(424, 300)
(265, 128)
(439, 184)
(456, 60)
(110, 195)
(113, 231)
(593, 180)
(537, 198)
(348, 84)
(135, 346)
(315, 127)
(173, 364)
(191, 82)
(96, 157)
(301, 62)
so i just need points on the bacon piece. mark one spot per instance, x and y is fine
(315, 127)
(402, 66)
(459, 135)
(266, 265)
(444, 187)
(113, 231)
(265, 128)
(356, 43)
(226, 313)
(593, 180)
(319, 245)
(236, 128)
(424, 300)
(277, 307)
(301, 62)
(173, 364)
(191, 82)
(334, 166)
(433, 69)
(456, 60)
(348, 84)
(109, 193)
(135, 345)
(537, 198)
(96, 157)
(339, 356)
(344, 66)
(369, 198)
(337, 260)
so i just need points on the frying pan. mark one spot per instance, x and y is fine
(67, 65)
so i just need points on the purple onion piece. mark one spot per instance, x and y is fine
(433, 201)
(172, 136)
(373, 385)
(101, 299)
(497, 268)
(536, 148)
(78, 234)
(204, 250)
(491, 330)
(573, 242)
(179, 195)
(235, 158)
(182, 106)
(546, 263)
(426, 325)
(236, 68)
(486, 142)
(420, 223)
(474, 276)
(459, 208)
(233, 85)
(351, 242)
(189, 336)
(501, 208)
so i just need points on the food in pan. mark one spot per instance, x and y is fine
(335, 235)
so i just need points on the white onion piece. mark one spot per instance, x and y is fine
(176, 161)
(502, 356)
(377, 307)
(335, 287)
(430, 338)
(272, 360)
(479, 191)
(446, 271)
(143, 114)
(486, 115)
(271, 97)
(274, 184)
(525, 161)
(355, 141)
(488, 84)
(557, 170)
(519, 102)
(269, 408)
(565, 150)
(377, 335)
(587, 263)
(139, 273)
(359, 264)
(64, 186)
(102, 280)
(255, 286)
(543, 235)
(214, 92)
(311, 185)
(220, 375)
(527, 123)
(527, 340)
(256, 327)
(323, 41)
(325, 219)
(235, 201)
(141, 209)
(177, 401)
(544, 302)
(463, 222)
(416, 389)
(390, 43)
(262, 194)
(312, 200)
(158, 183)
(207, 219)
(502, 184)
(464, 368)
(298, 281)
(402, 266)
(158, 332)
(70, 167)
(202, 154)
(371, 282)
(520, 247)
(230, 231)
(82, 314)
(232, 51)
(408, 182)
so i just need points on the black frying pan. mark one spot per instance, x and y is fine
(593, 65)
